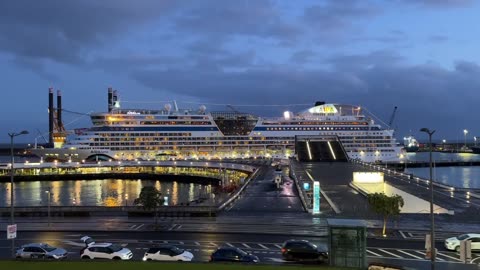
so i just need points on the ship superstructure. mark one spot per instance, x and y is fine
(173, 133)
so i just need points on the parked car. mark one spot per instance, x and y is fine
(40, 251)
(302, 250)
(232, 254)
(110, 251)
(453, 243)
(167, 253)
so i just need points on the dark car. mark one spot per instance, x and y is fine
(232, 254)
(302, 250)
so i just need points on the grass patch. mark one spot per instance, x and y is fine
(89, 265)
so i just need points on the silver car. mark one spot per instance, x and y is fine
(40, 251)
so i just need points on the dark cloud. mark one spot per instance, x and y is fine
(335, 15)
(229, 18)
(378, 81)
(64, 30)
(302, 56)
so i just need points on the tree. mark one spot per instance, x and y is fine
(385, 206)
(150, 199)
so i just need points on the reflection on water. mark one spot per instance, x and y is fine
(424, 156)
(466, 177)
(95, 192)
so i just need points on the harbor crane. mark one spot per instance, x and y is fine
(392, 117)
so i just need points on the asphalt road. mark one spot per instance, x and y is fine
(266, 247)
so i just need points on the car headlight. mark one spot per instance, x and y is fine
(144, 258)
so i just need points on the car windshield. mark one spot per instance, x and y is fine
(48, 248)
(462, 237)
(115, 248)
(312, 245)
(177, 250)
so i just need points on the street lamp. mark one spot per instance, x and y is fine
(475, 140)
(48, 195)
(12, 172)
(432, 225)
(444, 141)
(465, 134)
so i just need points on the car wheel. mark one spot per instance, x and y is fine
(85, 257)
(457, 248)
(289, 257)
(116, 258)
(149, 260)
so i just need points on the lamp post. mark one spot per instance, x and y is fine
(465, 132)
(48, 211)
(444, 141)
(432, 225)
(475, 140)
(12, 172)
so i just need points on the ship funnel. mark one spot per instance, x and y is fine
(50, 116)
(318, 103)
(110, 99)
(59, 110)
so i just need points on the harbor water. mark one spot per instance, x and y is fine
(101, 192)
(463, 177)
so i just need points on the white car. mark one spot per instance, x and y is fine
(104, 250)
(453, 243)
(167, 253)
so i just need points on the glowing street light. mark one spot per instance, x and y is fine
(465, 132)
(12, 172)
(432, 224)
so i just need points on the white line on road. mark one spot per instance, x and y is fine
(139, 226)
(213, 244)
(245, 245)
(403, 235)
(263, 246)
(411, 255)
(228, 244)
(448, 256)
(133, 226)
(181, 243)
(373, 253)
(197, 243)
(389, 253)
(278, 246)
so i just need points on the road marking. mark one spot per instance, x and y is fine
(197, 243)
(68, 242)
(139, 226)
(213, 244)
(373, 253)
(411, 255)
(247, 246)
(277, 246)
(228, 244)
(133, 226)
(263, 246)
(181, 243)
(73, 235)
(448, 256)
(124, 245)
(403, 235)
(389, 253)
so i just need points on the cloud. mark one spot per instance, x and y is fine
(335, 15)
(438, 38)
(378, 80)
(64, 31)
(441, 3)
(230, 18)
(302, 56)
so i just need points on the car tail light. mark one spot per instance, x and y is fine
(284, 250)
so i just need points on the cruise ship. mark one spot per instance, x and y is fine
(174, 133)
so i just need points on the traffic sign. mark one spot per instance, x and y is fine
(12, 231)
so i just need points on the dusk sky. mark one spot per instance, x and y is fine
(420, 55)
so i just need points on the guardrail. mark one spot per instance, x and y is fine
(91, 210)
(293, 167)
(236, 194)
